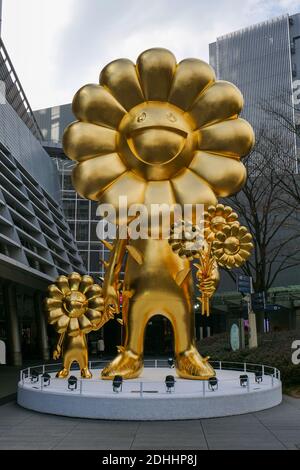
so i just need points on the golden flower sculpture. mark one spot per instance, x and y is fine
(232, 246)
(215, 219)
(186, 239)
(157, 131)
(75, 306)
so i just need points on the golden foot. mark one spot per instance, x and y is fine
(127, 364)
(190, 365)
(86, 373)
(62, 374)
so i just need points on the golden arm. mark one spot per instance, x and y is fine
(111, 278)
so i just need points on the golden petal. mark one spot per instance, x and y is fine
(159, 192)
(219, 102)
(93, 291)
(73, 328)
(52, 303)
(211, 210)
(244, 254)
(218, 252)
(54, 315)
(238, 260)
(235, 230)
(82, 141)
(156, 69)
(224, 259)
(228, 211)
(86, 283)
(84, 324)
(93, 315)
(97, 303)
(92, 177)
(220, 209)
(247, 246)
(189, 188)
(247, 238)
(221, 236)
(233, 138)
(93, 103)
(129, 185)
(227, 231)
(54, 292)
(191, 78)
(225, 175)
(74, 281)
(121, 79)
(217, 244)
(233, 217)
(62, 283)
(243, 231)
(62, 324)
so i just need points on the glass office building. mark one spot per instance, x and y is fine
(80, 213)
(263, 60)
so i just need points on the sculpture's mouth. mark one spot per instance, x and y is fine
(156, 145)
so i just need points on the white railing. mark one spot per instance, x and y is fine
(270, 377)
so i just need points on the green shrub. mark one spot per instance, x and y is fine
(274, 349)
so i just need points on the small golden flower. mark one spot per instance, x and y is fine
(186, 239)
(215, 219)
(74, 304)
(232, 246)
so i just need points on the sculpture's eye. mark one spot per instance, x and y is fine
(171, 117)
(141, 117)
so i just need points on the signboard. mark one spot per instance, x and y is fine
(244, 284)
(235, 337)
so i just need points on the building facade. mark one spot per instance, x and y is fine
(263, 61)
(36, 243)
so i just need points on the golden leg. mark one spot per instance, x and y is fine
(189, 363)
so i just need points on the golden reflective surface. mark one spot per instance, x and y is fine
(75, 307)
(161, 132)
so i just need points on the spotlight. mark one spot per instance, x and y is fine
(46, 379)
(213, 384)
(170, 383)
(171, 362)
(244, 380)
(258, 377)
(117, 383)
(34, 378)
(72, 383)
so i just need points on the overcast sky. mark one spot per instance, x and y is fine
(59, 45)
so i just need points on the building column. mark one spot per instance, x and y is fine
(13, 328)
(41, 326)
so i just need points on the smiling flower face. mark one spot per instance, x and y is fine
(74, 305)
(158, 132)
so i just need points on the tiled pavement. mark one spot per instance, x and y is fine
(277, 428)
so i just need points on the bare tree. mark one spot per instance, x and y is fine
(267, 207)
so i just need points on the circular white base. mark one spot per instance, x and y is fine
(146, 398)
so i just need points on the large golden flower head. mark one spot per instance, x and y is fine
(74, 304)
(232, 246)
(158, 132)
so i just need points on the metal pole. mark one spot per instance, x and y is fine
(203, 387)
(252, 322)
(141, 389)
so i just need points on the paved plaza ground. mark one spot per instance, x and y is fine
(277, 428)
